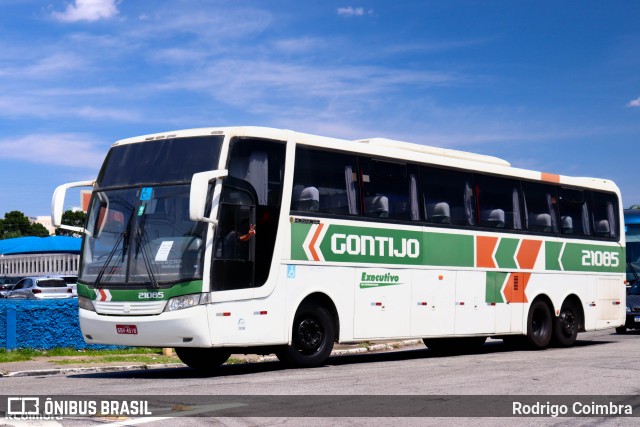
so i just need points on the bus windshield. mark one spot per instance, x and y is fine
(138, 228)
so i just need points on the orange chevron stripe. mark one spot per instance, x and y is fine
(485, 246)
(515, 290)
(528, 253)
(312, 244)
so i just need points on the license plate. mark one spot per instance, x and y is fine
(127, 329)
(636, 319)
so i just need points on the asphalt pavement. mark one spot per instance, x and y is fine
(50, 365)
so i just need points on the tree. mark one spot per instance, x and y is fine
(634, 207)
(38, 230)
(15, 224)
(73, 218)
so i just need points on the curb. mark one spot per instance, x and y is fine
(98, 369)
(56, 371)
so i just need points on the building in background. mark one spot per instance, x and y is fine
(36, 256)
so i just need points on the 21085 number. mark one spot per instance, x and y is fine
(600, 258)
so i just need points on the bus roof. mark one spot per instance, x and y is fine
(391, 149)
(436, 151)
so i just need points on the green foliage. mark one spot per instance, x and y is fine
(17, 355)
(634, 207)
(38, 230)
(16, 224)
(23, 354)
(73, 218)
(149, 360)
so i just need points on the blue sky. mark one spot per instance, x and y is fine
(547, 85)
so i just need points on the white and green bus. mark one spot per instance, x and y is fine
(254, 240)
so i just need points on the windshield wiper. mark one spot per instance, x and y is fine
(122, 237)
(98, 284)
(141, 242)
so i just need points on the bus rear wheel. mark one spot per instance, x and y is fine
(539, 325)
(565, 326)
(203, 360)
(312, 338)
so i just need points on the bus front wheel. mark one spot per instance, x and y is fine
(539, 325)
(312, 338)
(203, 360)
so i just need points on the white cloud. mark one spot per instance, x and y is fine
(44, 67)
(250, 83)
(353, 11)
(53, 104)
(634, 103)
(64, 149)
(87, 10)
(299, 45)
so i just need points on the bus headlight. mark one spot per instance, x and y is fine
(85, 304)
(186, 301)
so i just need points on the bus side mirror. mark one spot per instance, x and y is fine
(57, 204)
(198, 196)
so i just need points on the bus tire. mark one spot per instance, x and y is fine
(312, 337)
(539, 325)
(203, 360)
(621, 330)
(565, 326)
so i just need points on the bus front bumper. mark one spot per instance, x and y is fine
(181, 328)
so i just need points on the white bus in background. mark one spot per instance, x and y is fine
(255, 240)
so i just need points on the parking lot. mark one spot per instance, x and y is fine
(601, 364)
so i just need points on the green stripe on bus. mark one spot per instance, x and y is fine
(600, 258)
(505, 255)
(353, 244)
(495, 281)
(552, 255)
(184, 288)
(299, 233)
(372, 245)
(449, 250)
(584, 257)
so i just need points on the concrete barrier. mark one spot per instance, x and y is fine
(41, 324)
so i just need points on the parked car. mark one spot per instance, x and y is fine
(633, 309)
(40, 288)
(7, 284)
(72, 283)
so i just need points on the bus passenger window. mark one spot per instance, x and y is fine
(540, 207)
(325, 182)
(390, 190)
(574, 212)
(499, 202)
(447, 196)
(604, 209)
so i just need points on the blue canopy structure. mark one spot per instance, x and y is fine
(40, 245)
